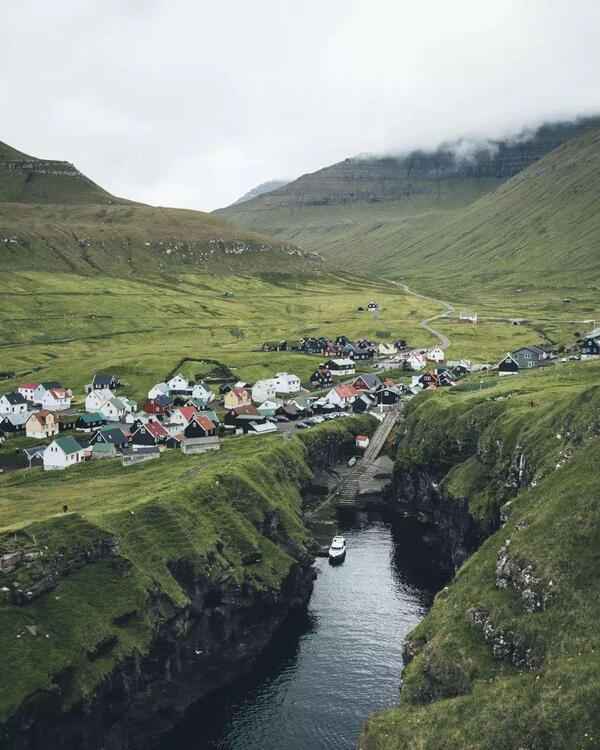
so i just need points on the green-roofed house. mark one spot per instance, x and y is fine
(63, 453)
(90, 421)
(103, 450)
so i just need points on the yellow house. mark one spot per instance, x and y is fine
(237, 397)
(41, 424)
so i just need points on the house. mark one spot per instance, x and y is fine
(285, 382)
(211, 414)
(590, 346)
(67, 422)
(62, 453)
(202, 393)
(321, 377)
(388, 395)
(13, 403)
(340, 367)
(111, 435)
(363, 403)
(529, 356)
(177, 383)
(237, 397)
(342, 396)
(386, 349)
(242, 416)
(113, 410)
(149, 434)
(158, 406)
(56, 399)
(28, 391)
(436, 354)
(130, 405)
(103, 381)
(13, 423)
(427, 380)
(38, 394)
(103, 450)
(367, 382)
(508, 366)
(88, 422)
(261, 428)
(183, 415)
(96, 398)
(263, 390)
(268, 408)
(41, 424)
(160, 389)
(200, 427)
(416, 361)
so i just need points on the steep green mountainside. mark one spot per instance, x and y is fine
(53, 218)
(509, 655)
(369, 210)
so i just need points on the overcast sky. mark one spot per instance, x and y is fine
(191, 103)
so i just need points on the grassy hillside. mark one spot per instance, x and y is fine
(54, 218)
(64, 326)
(374, 212)
(509, 655)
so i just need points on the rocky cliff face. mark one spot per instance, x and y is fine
(195, 650)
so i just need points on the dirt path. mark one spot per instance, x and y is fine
(426, 324)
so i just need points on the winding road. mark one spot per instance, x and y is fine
(426, 324)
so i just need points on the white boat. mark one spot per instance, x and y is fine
(337, 549)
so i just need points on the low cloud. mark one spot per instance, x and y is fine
(177, 103)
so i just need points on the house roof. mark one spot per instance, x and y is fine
(117, 403)
(92, 417)
(58, 393)
(40, 416)
(155, 429)
(30, 386)
(103, 448)
(370, 380)
(15, 398)
(68, 445)
(204, 422)
(240, 392)
(102, 378)
(346, 391)
(534, 349)
(247, 409)
(50, 384)
(113, 434)
(187, 412)
(16, 419)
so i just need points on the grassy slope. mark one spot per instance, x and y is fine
(175, 509)
(456, 694)
(66, 326)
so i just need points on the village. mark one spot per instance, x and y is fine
(54, 429)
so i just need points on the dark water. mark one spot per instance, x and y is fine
(330, 668)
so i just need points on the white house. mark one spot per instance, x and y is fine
(113, 410)
(264, 390)
(178, 383)
(201, 392)
(436, 354)
(286, 382)
(130, 406)
(95, 399)
(387, 349)
(416, 361)
(341, 396)
(28, 390)
(63, 453)
(160, 389)
(56, 399)
(341, 367)
(13, 403)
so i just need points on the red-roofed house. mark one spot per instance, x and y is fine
(342, 395)
(151, 433)
(27, 390)
(183, 415)
(200, 427)
(56, 399)
(237, 397)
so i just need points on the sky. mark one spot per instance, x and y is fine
(191, 103)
